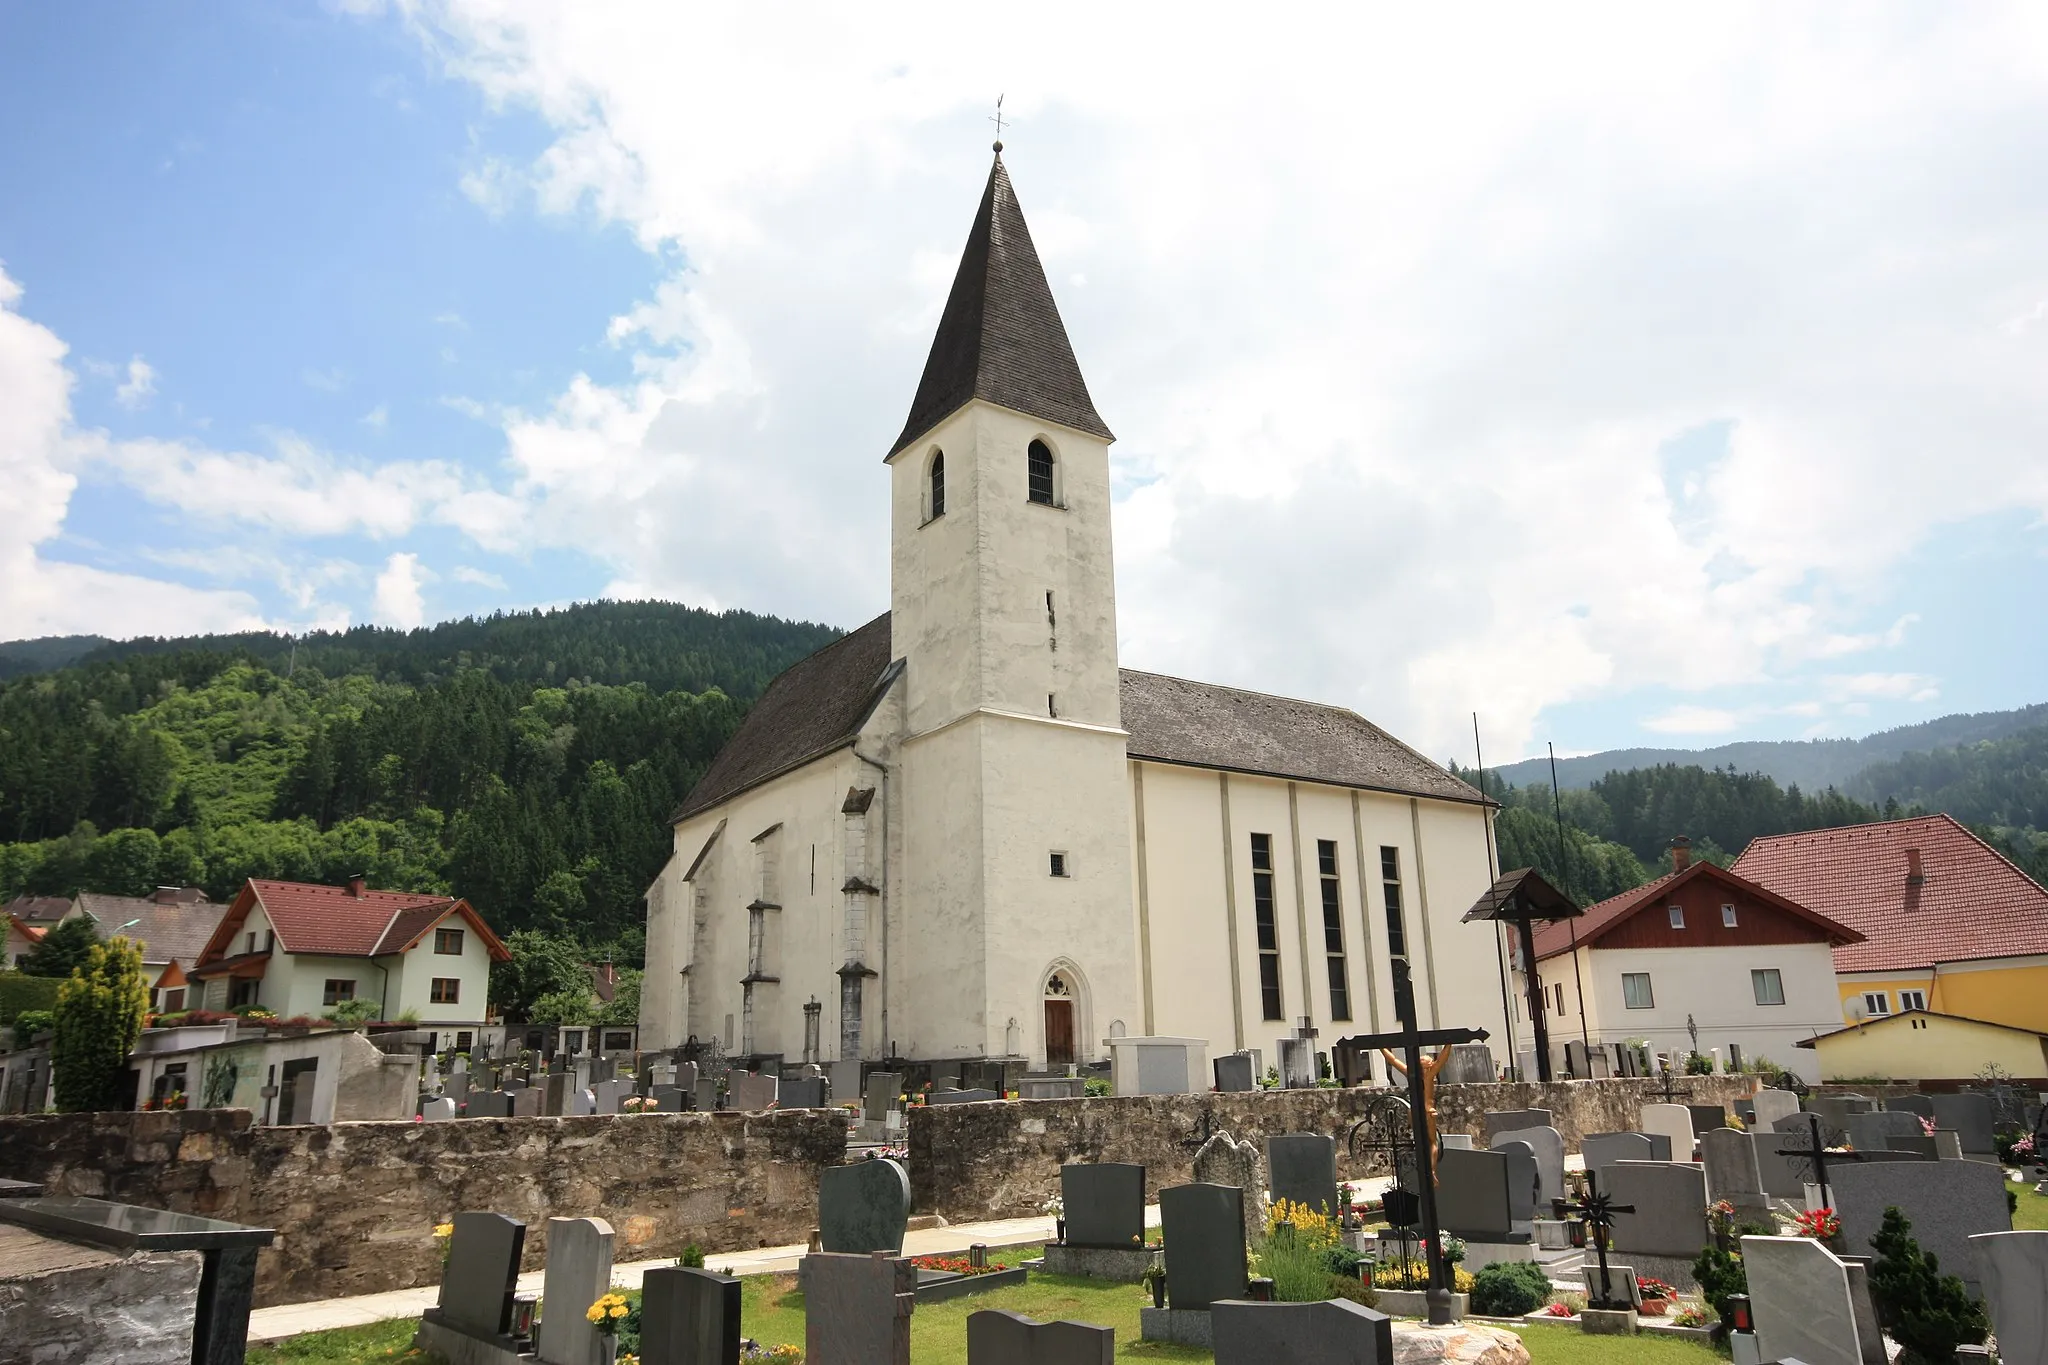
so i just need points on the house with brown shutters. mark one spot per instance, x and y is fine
(300, 949)
(1700, 948)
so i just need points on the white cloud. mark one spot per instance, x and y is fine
(1695, 720)
(377, 418)
(397, 599)
(478, 578)
(1881, 687)
(135, 390)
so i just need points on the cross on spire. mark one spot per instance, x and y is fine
(997, 120)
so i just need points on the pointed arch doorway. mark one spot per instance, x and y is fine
(1059, 1018)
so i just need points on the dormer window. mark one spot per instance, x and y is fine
(1677, 916)
(935, 485)
(1041, 471)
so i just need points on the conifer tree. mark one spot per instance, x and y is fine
(1928, 1313)
(100, 1012)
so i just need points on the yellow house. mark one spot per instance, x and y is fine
(1949, 926)
(1919, 1045)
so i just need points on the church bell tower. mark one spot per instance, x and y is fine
(1003, 609)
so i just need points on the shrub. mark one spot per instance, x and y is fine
(1296, 1254)
(353, 1013)
(1699, 1064)
(99, 1017)
(29, 1023)
(19, 991)
(61, 950)
(1352, 1288)
(1720, 1275)
(1095, 1086)
(1508, 1289)
(1928, 1313)
(693, 1257)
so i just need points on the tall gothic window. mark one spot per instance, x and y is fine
(1333, 928)
(938, 483)
(1264, 916)
(1041, 473)
(1390, 878)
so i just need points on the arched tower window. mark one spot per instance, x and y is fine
(937, 486)
(1041, 473)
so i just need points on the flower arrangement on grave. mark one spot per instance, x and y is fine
(1822, 1225)
(607, 1313)
(1454, 1249)
(1657, 1295)
(637, 1104)
(1926, 1126)
(953, 1265)
(782, 1353)
(1399, 1274)
(1154, 1281)
(175, 1100)
(1692, 1315)
(444, 1233)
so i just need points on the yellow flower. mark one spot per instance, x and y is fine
(619, 1311)
(596, 1313)
(444, 1229)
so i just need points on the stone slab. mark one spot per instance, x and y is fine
(802, 1092)
(1707, 1117)
(1223, 1160)
(1729, 1159)
(1335, 1332)
(1672, 1121)
(1509, 1119)
(884, 1093)
(2013, 1268)
(1234, 1073)
(1547, 1146)
(1472, 1198)
(1302, 1169)
(961, 1097)
(579, 1272)
(1205, 1252)
(1879, 1130)
(1124, 1265)
(1104, 1203)
(1772, 1105)
(1775, 1173)
(1970, 1115)
(1178, 1326)
(998, 1337)
(863, 1207)
(1948, 1202)
(438, 1111)
(1602, 1150)
(689, 1317)
(1670, 1200)
(857, 1308)
(482, 1270)
(1799, 1296)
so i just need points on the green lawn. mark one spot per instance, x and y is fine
(345, 1346)
(2033, 1210)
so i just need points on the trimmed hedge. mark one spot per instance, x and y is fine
(1508, 1289)
(19, 992)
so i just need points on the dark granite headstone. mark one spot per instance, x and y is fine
(1946, 1201)
(961, 1096)
(1105, 1204)
(555, 1095)
(885, 1092)
(705, 1097)
(1970, 1115)
(997, 1337)
(489, 1104)
(1912, 1104)
(857, 1309)
(482, 1272)
(863, 1207)
(689, 1317)
(1472, 1195)
(1707, 1117)
(1302, 1169)
(1670, 1201)
(1336, 1332)
(1880, 1129)
(526, 1104)
(1234, 1073)
(667, 1099)
(803, 1092)
(1205, 1255)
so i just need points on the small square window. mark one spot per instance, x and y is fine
(1059, 865)
(337, 992)
(1768, 985)
(1876, 1003)
(448, 942)
(1727, 917)
(1677, 916)
(1912, 1000)
(445, 990)
(1635, 991)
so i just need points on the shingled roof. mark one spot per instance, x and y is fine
(172, 929)
(1921, 891)
(1206, 726)
(813, 707)
(1000, 337)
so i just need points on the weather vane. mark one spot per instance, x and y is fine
(997, 120)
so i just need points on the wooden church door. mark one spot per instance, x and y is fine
(1059, 1021)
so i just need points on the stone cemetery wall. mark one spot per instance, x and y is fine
(355, 1204)
(971, 1161)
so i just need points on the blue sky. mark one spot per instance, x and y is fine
(1641, 380)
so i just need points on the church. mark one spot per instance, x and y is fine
(962, 831)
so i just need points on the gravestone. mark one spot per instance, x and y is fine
(438, 1111)
(555, 1097)
(1470, 1064)
(526, 1103)
(1297, 1063)
(490, 1104)
(844, 1078)
(1729, 1158)
(684, 1077)
(1223, 1160)
(1104, 1203)
(1547, 1146)
(456, 1086)
(961, 1096)
(1670, 1200)
(998, 1337)
(1674, 1123)
(1051, 1087)
(1302, 1169)
(1875, 1131)
(1775, 1173)
(689, 1317)
(884, 1093)
(481, 1273)
(1234, 1073)
(1205, 1253)
(1335, 1332)
(1472, 1197)
(605, 1096)
(703, 1097)
(1834, 1111)
(579, 1273)
(1462, 1141)
(582, 1104)
(802, 1092)
(2013, 1268)
(1509, 1120)
(750, 1091)
(667, 1099)
(1912, 1104)
(1948, 1202)
(857, 1308)
(1707, 1117)
(1970, 1116)
(1800, 1301)
(1602, 1150)
(602, 1069)
(863, 1207)
(1524, 1184)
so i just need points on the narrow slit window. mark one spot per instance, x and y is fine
(1333, 928)
(938, 484)
(1390, 881)
(1040, 470)
(1268, 927)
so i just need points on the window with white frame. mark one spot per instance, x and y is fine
(1912, 1000)
(1876, 1002)
(1767, 984)
(1727, 917)
(1677, 916)
(1635, 991)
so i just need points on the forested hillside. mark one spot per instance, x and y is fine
(526, 762)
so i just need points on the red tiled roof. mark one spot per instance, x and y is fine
(28, 931)
(1970, 903)
(336, 922)
(1559, 936)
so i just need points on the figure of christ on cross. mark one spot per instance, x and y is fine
(1430, 1067)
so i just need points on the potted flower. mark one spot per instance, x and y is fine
(1822, 1225)
(444, 1233)
(606, 1315)
(1057, 1207)
(1657, 1295)
(1154, 1279)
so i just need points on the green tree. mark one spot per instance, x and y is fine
(573, 1006)
(64, 949)
(99, 1016)
(540, 966)
(1928, 1313)
(623, 1009)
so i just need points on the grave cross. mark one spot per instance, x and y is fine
(1411, 1040)
(1819, 1157)
(1597, 1211)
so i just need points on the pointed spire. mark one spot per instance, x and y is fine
(1000, 338)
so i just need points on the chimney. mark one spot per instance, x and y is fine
(1915, 876)
(355, 886)
(1681, 853)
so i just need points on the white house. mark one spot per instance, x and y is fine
(1699, 948)
(963, 831)
(300, 950)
